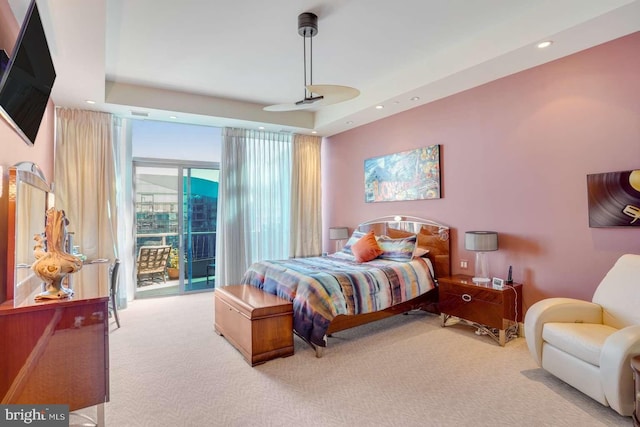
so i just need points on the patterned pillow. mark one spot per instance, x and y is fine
(397, 249)
(420, 252)
(366, 248)
(357, 235)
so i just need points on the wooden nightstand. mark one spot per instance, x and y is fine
(495, 312)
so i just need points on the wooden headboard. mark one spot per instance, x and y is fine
(431, 235)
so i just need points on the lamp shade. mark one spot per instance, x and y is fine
(481, 241)
(338, 233)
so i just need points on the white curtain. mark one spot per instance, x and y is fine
(84, 183)
(306, 197)
(125, 210)
(254, 201)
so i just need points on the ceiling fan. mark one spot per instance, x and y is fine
(314, 95)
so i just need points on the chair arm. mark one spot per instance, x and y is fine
(615, 368)
(560, 310)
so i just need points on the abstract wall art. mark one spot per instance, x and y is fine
(409, 175)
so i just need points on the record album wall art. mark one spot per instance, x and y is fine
(614, 199)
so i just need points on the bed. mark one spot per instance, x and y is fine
(337, 292)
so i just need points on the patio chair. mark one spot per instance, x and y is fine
(152, 263)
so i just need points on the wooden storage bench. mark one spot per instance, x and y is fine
(258, 324)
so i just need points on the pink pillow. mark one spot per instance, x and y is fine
(366, 248)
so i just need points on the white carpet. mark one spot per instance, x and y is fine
(169, 368)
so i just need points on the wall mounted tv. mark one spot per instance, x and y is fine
(28, 78)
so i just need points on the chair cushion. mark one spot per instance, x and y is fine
(582, 340)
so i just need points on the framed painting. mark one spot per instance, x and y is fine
(409, 175)
(614, 199)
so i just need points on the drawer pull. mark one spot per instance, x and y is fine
(466, 297)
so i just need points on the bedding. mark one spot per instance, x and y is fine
(322, 288)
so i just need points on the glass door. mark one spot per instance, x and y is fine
(200, 207)
(176, 209)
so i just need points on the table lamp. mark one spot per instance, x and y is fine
(339, 234)
(481, 242)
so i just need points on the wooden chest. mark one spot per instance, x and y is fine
(258, 324)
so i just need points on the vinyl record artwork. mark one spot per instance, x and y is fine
(614, 199)
(409, 175)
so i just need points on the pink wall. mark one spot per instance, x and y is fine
(12, 148)
(514, 156)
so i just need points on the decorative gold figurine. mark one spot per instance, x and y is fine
(54, 263)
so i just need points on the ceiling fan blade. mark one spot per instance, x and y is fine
(333, 93)
(288, 107)
(328, 95)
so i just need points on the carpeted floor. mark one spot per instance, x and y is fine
(169, 368)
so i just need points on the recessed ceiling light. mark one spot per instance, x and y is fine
(88, 101)
(414, 98)
(173, 117)
(544, 44)
(349, 122)
(314, 131)
(379, 107)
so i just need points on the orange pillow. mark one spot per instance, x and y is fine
(366, 248)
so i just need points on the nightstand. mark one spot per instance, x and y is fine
(495, 312)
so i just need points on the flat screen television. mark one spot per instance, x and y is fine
(28, 78)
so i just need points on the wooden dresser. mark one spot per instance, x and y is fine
(57, 352)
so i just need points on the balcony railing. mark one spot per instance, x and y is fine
(202, 245)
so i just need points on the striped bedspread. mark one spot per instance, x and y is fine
(323, 287)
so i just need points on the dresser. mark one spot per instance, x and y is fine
(57, 352)
(494, 312)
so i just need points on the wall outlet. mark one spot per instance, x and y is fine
(464, 263)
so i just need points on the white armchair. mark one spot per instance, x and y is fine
(589, 345)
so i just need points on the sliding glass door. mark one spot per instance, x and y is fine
(200, 207)
(176, 207)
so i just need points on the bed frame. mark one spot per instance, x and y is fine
(431, 235)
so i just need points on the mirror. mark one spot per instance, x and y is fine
(28, 193)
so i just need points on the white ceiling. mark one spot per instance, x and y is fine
(219, 62)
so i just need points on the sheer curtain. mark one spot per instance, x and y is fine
(306, 197)
(84, 183)
(125, 209)
(269, 200)
(254, 200)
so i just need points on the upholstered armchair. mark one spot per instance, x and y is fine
(589, 344)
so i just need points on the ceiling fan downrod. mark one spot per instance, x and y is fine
(308, 28)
